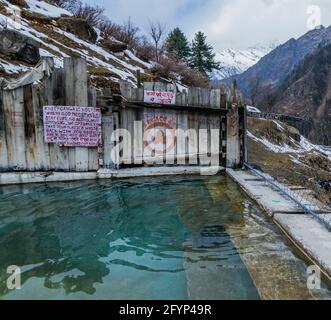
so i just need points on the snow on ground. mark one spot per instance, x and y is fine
(58, 44)
(131, 55)
(46, 9)
(54, 47)
(12, 68)
(298, 147)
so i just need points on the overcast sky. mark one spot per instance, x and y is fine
(227, 23)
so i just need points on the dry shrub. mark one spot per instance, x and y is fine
(170, 67)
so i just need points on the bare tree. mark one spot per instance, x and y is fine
(157, 31)
(92, 14)
(130, 33)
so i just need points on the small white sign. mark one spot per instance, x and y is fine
(159, 97)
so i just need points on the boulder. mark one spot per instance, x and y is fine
(19, 3)
(79, 27)
(17, 46)
(113, 46)
(30, 15)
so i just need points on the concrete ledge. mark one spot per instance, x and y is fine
(309, 235)
(157, 171)
(42, 177)
(269, 199)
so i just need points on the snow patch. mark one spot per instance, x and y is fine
(253, 109)
(46, 9)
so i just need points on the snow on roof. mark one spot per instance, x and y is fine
(253, 109)
(46, 9)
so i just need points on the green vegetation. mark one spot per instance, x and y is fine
(202, 57)
(178, 45)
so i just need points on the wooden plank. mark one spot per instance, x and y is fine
(130, 127)
(149, 151)
(30, 134)
(160, 117)
(233, 141)
(171, 141)
(182, 125)
(116, 155)
(54, 94)
(191, 96)
(107, 131)
(14, 119)
(93, 155)
(3, 142)
(193, 138)
(215, 98)
(76, 93)
(138, 146)
(215, 136)
(127, 148)
(42, 150)
(203, 140)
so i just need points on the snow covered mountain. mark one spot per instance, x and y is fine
(234, 61)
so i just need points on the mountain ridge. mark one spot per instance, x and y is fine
(273, 68)
(307, 93)
(235, 61)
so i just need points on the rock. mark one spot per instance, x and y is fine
(19, 3)
(113, 46)
(324, 184)
(35, 16)
(79, 27)
(17, 46)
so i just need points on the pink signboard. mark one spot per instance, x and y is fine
(72, 126)
(159, 97)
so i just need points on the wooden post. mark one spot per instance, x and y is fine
(138, 79)
(245, 147)
(233, 138)
(76, 93)
(3, 143)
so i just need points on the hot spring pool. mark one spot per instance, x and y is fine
(163, 238)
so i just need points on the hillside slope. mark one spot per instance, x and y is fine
(307, 93)
(277, 65)
(282, 152)
(58, 35)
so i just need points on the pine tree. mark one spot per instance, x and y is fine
(203, 58)
(178, 45)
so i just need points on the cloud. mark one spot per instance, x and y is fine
(227, 23)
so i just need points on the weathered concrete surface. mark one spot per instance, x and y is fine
(40, 177)
(310, 235)
(157, 171)
(270, 200)
(306, 232)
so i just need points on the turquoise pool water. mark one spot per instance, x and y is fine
(164, 238)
